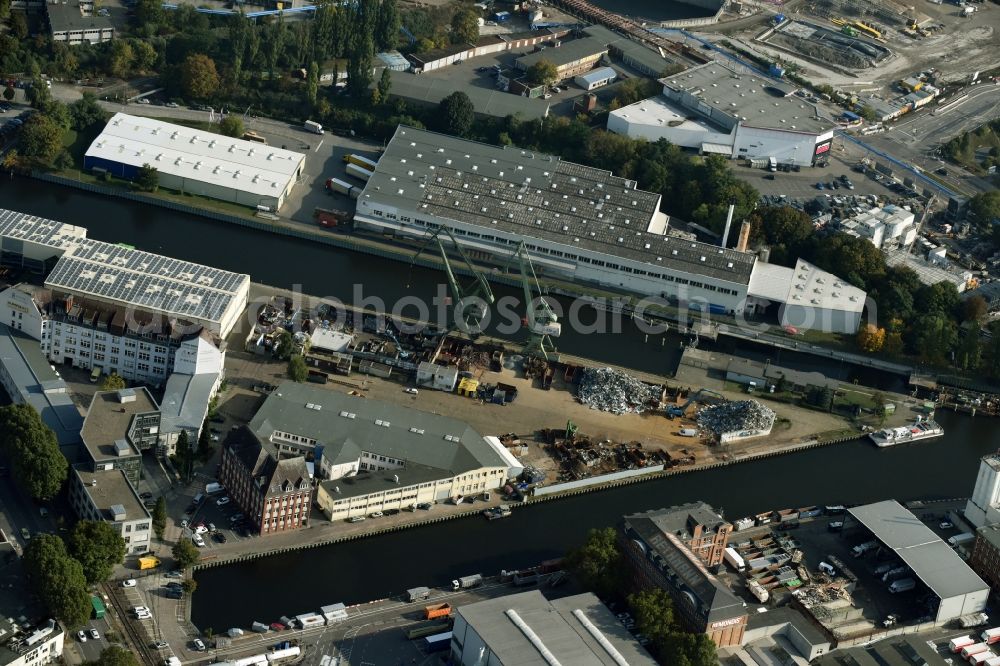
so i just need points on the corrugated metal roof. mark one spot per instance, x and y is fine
(199, 155)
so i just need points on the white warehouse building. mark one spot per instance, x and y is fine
(714, 109)
(196, 161)
(579, 223)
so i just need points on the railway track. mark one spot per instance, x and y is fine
(133, 634)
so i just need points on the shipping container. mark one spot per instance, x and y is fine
(438, 642)
(980, 658)
(362, 161)
(98, 607)
(975, 648)
(437, 611)
(956, 644)
(991, 636)
(339, 186)
(358, 172)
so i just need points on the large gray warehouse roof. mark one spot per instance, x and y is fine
(338, 421)
(558, 626)
(931, 559)
(535, 195)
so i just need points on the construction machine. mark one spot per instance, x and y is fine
(470, 302)
(541, 321)
(701, 395)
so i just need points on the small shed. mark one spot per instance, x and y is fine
(596, 78)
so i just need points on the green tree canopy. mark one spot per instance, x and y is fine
(384, 85)
(653, 611)
(31, 446)
(58, 579)
(114, 655)
(465, 27)
(98, 547)
(232, 125)
(598, 562)
(85, 112)
(112, 382)
(985, 207)
(456, 114)
(199, 79)
(297, 369)
(160, 517)
(543, 72)
(786, 230)
(185, 553)
(147, 178)
(41, 139)
(685, 649)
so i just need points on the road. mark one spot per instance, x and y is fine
(916, 138)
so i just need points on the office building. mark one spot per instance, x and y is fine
(27, 645)
(77, 22)
(985, 559)
(933, 563)
(571, 58)
(197, 161)
(527, 629)
(716, 109)
(698, 527)
(584, 225)
(106, 494)
(119, 426)
(983, 508)
(377, 455)
(273, 493)
(657, 556)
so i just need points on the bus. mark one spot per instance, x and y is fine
(253, 136)
(427, 630)
(440, 642)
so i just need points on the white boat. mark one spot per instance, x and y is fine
(916, 431)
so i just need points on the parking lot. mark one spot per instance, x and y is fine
(802, 184)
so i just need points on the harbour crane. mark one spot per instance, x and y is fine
(542, 322)
(470, 302)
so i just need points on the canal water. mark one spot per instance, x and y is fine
(657, 10)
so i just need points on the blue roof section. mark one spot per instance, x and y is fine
(33, 381)
(599, 74)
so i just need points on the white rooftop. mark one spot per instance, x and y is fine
(330, 340)
(599, 74)
(806, 286)
(659, 112)
(197, 154)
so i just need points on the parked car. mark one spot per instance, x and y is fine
(424, 505)
(222, 501)
(219, 537)
(94, 634)
(411, 390)
(355, 519)
(82, 637)
(160, 645)
(820, 186)
(174, 574)
(199, 645)
(377, 514)
(946, 525)
(129, 583)
(146, 495)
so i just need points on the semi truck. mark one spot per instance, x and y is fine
(358, 172)
(991, 636)
(332, 218)
(734, 559)
(415, 593)
(963, 538)
(312, 126)
(975, 648)
(338, 186)
(956, 644)
(361, 161)
(437, 611)
(467, 582)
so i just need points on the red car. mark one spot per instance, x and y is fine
(277, 626)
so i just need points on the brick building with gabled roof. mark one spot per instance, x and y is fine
(274, 494)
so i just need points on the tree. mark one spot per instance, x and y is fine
(684, 649)
(598, 562)
(784, 229)
(932, 337)
(384, 85)
(465, 27)
(543, 72)
(85, 112)
(820, 396)
(19, 26)
(121, 59)
(114, 655)
(113, 382)
(199, 79)
(31, 446)
(189, 585)
(147, 178)
(297, 369)
(185, 553)
(456, 114)
(98, 547)
(284, 346)
(871, 338)
(969, 352)
(9, 93)
(41, 139)
(58, 579)
(984, 208)
(312, 83)
(974, 309)
(653, 611)
(878, 404)
(868, 113)
(232, 125)
(160, 517)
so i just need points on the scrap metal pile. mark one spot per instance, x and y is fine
(732, 416)
(613, 391)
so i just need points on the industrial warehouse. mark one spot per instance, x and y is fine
(584, 224)
(715, 109)
(376, 455)
(196, 162)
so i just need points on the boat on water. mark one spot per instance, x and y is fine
(920, 429)
(495, 513)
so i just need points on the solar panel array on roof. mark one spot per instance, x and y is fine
(535, 195)
(14, 224)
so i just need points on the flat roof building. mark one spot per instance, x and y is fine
(123, 276)
(197, 161)
(120, 425)
(24, 644)
(430, 90)
(930, 272)
(638, 56)
(983, 508)
(527, 629)
(933, 562)
(570, 58)
(716, 109)
(579, 222)
(428, 457)
(76, 22)
(108, 495)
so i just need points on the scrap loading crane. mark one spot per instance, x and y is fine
(470, 303)
(542, 322)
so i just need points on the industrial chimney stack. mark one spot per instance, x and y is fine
(744, 241)
(729, 221)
